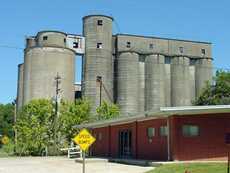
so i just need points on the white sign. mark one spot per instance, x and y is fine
(76, 43)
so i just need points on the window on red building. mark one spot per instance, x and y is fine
(150, 132)
(163, 131)
(190, 130)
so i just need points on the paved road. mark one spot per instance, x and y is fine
(62, 165)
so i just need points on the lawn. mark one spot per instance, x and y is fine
(191, 168)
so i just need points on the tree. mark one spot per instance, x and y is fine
(107, 111)
(38, 127)
(35, 127)
(6, 120)
(219, 94)
(73, 114)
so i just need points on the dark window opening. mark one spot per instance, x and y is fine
(64, 40)
(99, 45)
(203, 51)
(181, 49)
(45, 37)
(100, 22)
(99, 79)
(75, 45)
(167, 60)
(128, 44)
(192, 61)
(151, 46)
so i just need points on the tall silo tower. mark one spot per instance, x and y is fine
(180, 83)
(203, 73)
(155, 90)
(46, 55)
(127, 82)
(97, 74)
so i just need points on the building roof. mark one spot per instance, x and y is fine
(163, 112)
(163, 38)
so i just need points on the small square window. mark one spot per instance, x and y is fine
(151, 46)
(150, 132)
(167, 60)
(45, 37)
(181, 49)
(163, 131)
(190, 130)
(75, 45)
(128, 44)
(100, 22)
(203, 51)
(99, 45)
(192, 61)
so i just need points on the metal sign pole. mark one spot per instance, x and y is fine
(228, 161)
(83, 154)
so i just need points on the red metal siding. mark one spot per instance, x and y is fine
(209, 144)
(101, 147)
(157, 149)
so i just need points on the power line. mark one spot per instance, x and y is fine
(11, 47)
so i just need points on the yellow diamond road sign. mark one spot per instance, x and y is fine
(84, 139)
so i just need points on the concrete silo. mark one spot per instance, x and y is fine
(141, 83)
(154, 83)
(127, 82)
(203, 73)
(180, 84)
(20, 86)
(97, 79)
(45, 57)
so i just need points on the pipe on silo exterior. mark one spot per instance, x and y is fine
(20, 86)
(180, 88)
(203, 73)
(43, 62)
(155, 90)
(97, 61)
(127, 83)
(141, 84)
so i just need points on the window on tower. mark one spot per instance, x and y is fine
(45, 37)
(75, 45)
(100, 22)
(99, 45)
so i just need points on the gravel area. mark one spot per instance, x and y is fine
(62, 165)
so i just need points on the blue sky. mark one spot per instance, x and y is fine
(204, 20)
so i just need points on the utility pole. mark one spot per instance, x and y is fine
(99, 80)
(57, 92)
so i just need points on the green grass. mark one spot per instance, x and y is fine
(192, 168)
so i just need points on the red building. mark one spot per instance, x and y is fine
(178, 133)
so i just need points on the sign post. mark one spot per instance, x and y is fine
(227, 141)
(84, 139)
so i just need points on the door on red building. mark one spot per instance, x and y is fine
(125, 144)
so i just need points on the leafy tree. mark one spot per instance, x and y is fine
(107, 111)
(219, 94)
(34, 127)
(73, 114)
(38, 127)
(6, 119)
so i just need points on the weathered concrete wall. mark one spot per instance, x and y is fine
(97, 59)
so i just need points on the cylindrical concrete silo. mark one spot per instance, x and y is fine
(127, 83)
(154, 82)
(180, 92)
(97, 61)
(43, 62)
(203, 74)
(20, 86)
(141, 84)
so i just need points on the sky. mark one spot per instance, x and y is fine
(201, 20)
